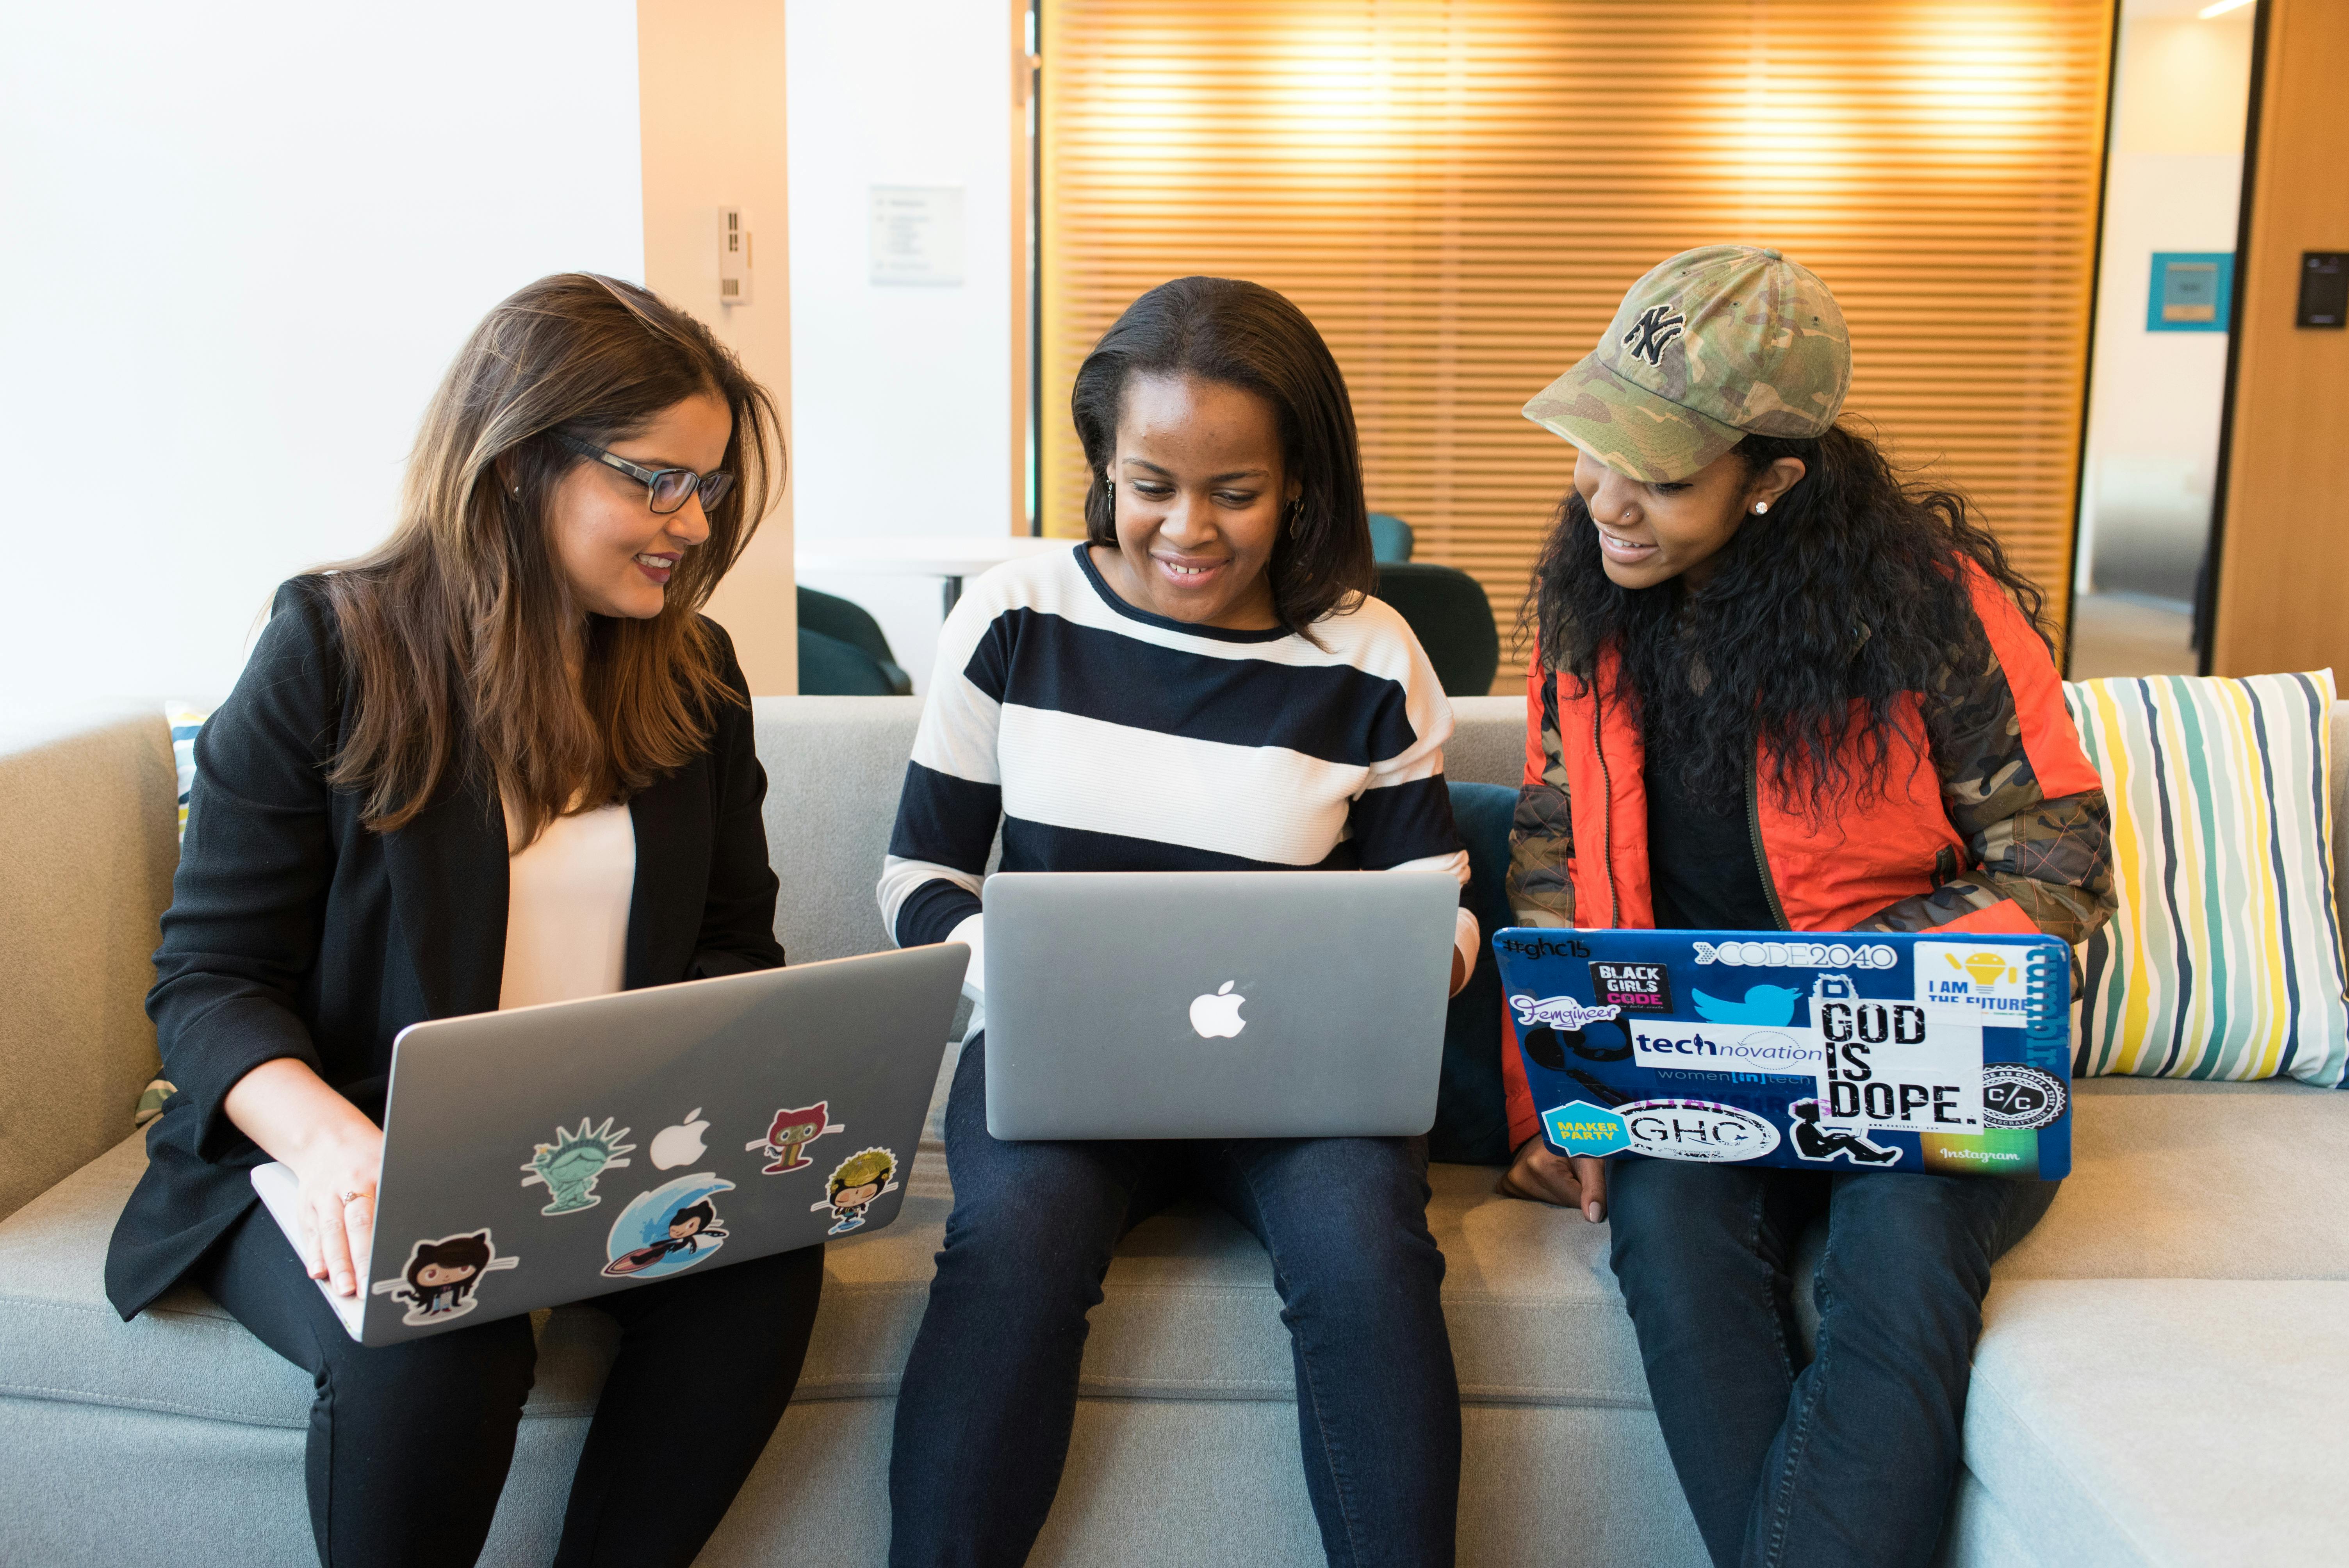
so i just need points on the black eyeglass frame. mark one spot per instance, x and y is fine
(712, 486)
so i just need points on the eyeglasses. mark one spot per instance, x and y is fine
(669, 487)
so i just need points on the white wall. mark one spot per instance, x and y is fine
(242, 245)
(2173, 183)
(902, 410)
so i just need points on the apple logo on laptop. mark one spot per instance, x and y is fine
(681, 1144)
(1218, 1016)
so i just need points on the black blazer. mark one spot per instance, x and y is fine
(296, 931)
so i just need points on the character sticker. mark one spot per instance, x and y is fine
(439, 1282)
(667, 1230)
(1813, 1141)
(568, 1167)
(856, 1183)
(789, 1135)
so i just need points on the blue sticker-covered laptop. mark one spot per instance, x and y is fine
(1943, 1052)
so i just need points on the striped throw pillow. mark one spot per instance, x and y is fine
(2224, 960)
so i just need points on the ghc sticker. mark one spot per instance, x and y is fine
(1580, 1127)
(1697, 1129)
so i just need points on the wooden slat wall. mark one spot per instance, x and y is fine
(2283, 556)
(1458, 193)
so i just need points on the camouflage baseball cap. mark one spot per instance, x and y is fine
(1716, 344)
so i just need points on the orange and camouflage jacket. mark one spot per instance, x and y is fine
(1989, 817)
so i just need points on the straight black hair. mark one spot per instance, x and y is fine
(1244, 334)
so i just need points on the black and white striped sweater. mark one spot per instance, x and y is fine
(1103, 738)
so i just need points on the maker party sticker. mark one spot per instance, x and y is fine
(1580, 1127)
(1698, 1130)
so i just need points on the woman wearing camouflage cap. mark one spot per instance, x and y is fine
(1778, 688)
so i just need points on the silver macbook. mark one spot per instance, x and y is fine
(553, 1153)
(1215, 1004)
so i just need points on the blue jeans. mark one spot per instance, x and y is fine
(1850, 1456)
(990, 1389)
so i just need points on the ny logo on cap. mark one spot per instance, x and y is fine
(1653, 333)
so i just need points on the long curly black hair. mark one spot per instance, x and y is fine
(1850, 592)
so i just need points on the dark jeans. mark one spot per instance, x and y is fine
(990, 1391)
(1849, 1458)
(410, 1442)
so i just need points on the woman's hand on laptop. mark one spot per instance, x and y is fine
(1576, 1182)
(332, 1150)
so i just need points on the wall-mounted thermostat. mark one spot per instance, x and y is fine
(2323, 288)
(733, 257)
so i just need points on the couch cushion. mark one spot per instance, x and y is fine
(86, 844)
(2172, 1180)
(59, 1340)
(2213, 1180)
(834, 765)
(1189, 1310)
(2166, 1422)
(2224, 960)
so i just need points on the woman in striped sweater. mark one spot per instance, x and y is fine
(1204, 684)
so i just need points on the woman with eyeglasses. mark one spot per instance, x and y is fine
(499, 760)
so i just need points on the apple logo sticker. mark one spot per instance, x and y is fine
(681, 1144)
(1218, 1016)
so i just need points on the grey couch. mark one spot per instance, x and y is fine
(2163, 1379)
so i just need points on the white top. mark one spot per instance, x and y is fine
(567, 908)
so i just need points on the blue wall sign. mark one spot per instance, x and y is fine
(2192, 291)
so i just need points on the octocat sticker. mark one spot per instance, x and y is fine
(667, 1230)
(789, 1135)
(439, 1280)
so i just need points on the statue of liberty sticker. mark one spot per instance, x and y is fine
(568, 1167)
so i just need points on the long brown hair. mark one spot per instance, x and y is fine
(453, 629)
(1244, 334)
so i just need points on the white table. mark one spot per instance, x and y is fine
(951, 557)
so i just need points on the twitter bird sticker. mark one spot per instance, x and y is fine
(1763, 1005)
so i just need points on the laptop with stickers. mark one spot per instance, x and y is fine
(1216, 1004)
(555, 1153)
(1940, 1052)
